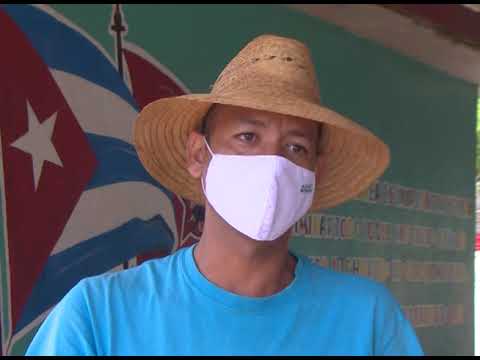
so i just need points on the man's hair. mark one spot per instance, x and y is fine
(205, 129)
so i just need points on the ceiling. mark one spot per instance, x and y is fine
(445, 36)
(474, 7)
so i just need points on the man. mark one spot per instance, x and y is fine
(259, 151)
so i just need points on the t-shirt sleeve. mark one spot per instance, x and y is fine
(394, 334)
(67, 329)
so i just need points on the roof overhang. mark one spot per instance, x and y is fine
(445, 36)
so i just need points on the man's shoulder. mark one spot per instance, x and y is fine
(148, 276)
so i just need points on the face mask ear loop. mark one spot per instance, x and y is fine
(208, 146)
(211, 153)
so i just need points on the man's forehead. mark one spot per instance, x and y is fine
(231, 115)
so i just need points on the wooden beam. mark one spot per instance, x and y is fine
(458, 22)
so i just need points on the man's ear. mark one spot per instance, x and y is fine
(197, 154)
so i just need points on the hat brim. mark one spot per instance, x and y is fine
(353, 156)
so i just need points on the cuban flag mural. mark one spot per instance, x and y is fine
(76, 201)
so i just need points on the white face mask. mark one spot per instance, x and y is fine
(261, 196)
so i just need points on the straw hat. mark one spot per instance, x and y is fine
(270, 73)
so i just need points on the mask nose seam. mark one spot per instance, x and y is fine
(264, 230)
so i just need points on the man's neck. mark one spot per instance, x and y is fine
(240, 264)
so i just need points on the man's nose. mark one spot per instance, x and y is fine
(273, 146)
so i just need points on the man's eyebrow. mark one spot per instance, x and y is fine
(301, 133)
(293, 132)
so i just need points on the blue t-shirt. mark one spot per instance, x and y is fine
(167, 307)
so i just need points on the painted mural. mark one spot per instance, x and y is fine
(76, 200)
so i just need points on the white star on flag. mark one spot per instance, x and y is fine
(37, 142)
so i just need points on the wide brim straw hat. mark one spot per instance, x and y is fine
(270, 73)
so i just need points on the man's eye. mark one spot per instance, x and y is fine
(247, 137)
(297, 149)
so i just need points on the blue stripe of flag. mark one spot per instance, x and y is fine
(63, 48)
